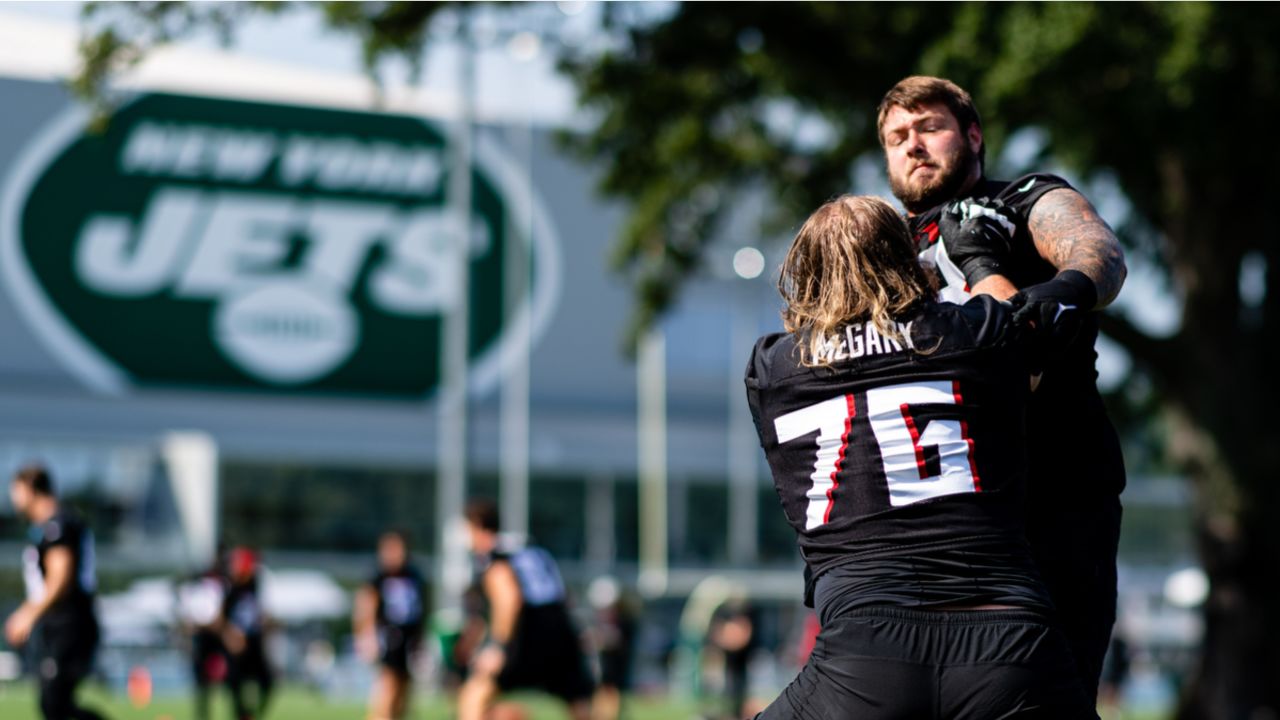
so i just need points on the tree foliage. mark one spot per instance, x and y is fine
(117, 36)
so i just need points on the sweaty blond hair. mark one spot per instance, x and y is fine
(852, 261)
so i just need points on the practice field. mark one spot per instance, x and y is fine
(18, 702)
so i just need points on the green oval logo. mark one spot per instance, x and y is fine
(225, 244)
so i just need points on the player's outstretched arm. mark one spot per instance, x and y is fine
(59, 569)
(503, 590)
(1068, 233)
(363, 621)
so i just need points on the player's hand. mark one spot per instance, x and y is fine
(978, 235)
(17, 629)
(234, 640)
(489, 660)
(1056, 307)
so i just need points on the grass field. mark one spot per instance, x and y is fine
(19, 703)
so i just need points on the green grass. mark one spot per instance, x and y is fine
(18, 702)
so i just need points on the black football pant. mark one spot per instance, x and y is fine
(205, 646)
(64, 658)
(889, 663)
(249, 666)
(1075, 551)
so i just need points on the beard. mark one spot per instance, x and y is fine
(944, 185)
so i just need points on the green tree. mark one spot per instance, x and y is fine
(1158, 96)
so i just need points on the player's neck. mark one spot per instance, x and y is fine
(974, 178)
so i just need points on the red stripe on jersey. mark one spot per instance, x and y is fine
(927, 235)
(844, 446)
(964, 433)
(915, 439)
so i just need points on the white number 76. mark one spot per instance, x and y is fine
(903, 444)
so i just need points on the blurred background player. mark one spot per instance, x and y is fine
(733, 635)
(1062, 254)
(1115, 673)
(243, 625)
(613, 637)
(61, 579)
(532, 643)
(388, 621)
(892, 424)
(199, 605)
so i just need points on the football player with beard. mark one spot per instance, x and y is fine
(1046, 249)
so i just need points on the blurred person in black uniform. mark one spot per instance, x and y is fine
(243, 624)
(1115, 673)
(613, 634)
(532, 643)
(200, 602)
(60, 576)
(1061, 253)
(388, 622)
(461, 645)
(893, 427)
(733, 634)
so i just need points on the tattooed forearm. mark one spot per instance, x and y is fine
(1069, 234)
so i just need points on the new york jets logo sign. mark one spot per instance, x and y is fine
(224, 244)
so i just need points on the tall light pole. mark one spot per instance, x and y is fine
(651, 410)
(452, 572)
(514, 458)
(748, 264)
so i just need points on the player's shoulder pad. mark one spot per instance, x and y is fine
(768, 357)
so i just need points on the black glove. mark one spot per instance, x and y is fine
(1056, 307)
(978, 235)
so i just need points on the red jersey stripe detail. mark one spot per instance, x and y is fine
(844, 446)
(915, 439)
(964, 433)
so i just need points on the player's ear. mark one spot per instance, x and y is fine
(974, 136)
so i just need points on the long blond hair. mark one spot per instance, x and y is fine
(852, 261)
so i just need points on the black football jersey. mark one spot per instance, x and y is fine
(1019, 196)
(1069, 432)
(536, 572)
(400, 598)
(65, 529)
(242, 608)
(910, 447)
